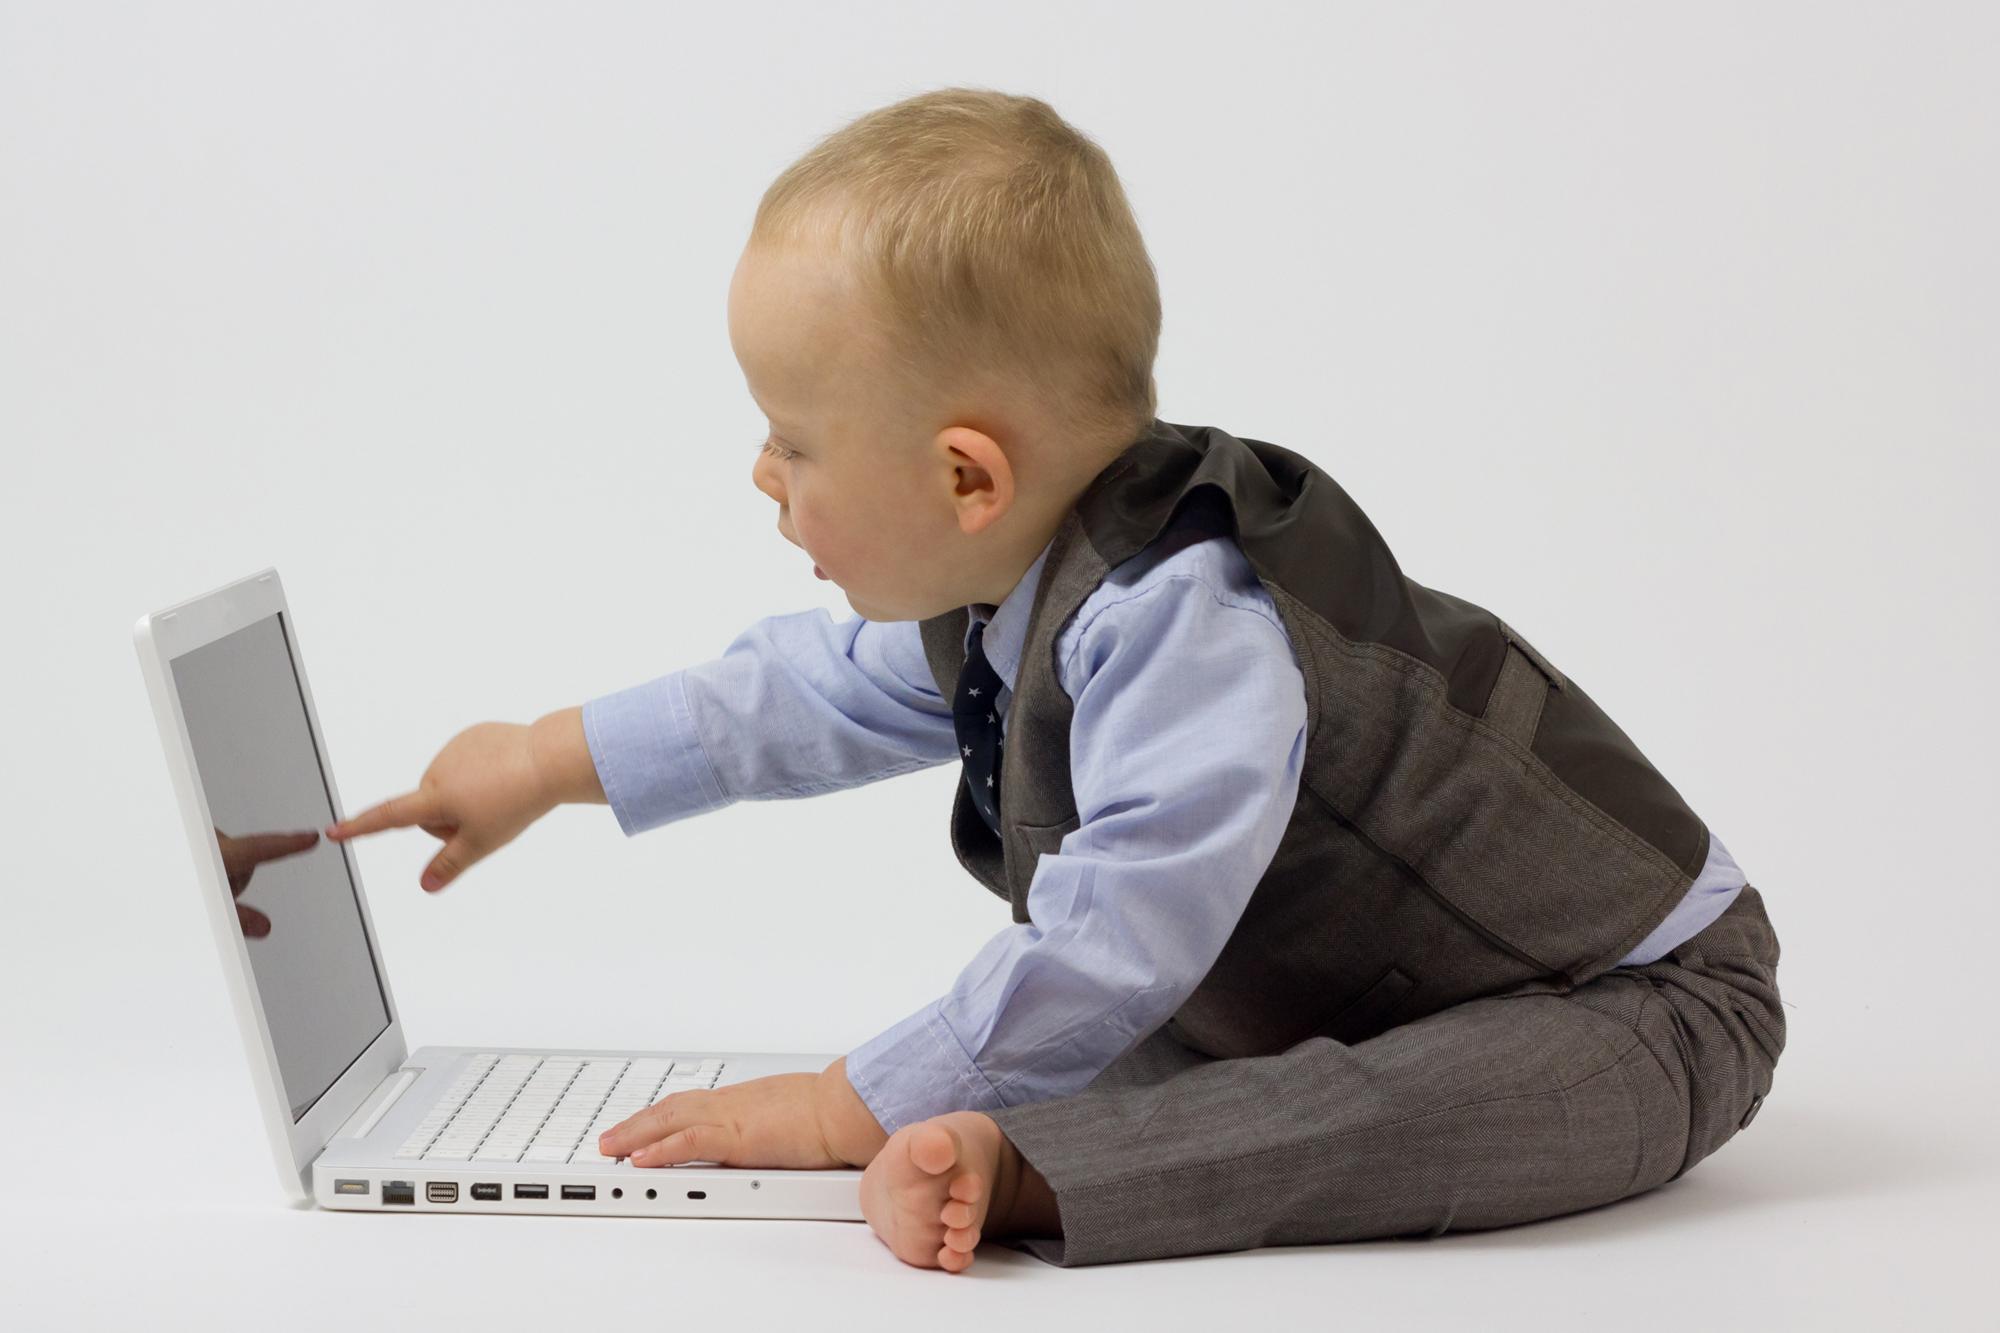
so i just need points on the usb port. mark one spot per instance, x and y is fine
(442, 1191)
(485, 1191)
(531, 1191)
(350, 1187)
(399, 1191)
(579, 1191)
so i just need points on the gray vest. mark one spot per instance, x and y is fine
(1468, 822)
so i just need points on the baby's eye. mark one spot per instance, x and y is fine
(771, 446)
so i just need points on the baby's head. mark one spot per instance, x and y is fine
(947, 314)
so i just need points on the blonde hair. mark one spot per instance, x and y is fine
(992, 235)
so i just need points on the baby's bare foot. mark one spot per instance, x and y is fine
(932, 1188)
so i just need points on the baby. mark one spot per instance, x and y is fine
(1337, 910)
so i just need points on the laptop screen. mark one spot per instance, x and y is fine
(295, 902)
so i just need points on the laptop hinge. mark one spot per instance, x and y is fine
(369, 1113)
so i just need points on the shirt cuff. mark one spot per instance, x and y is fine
(649, 756)
(916, 1070)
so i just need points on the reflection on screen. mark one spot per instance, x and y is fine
(298, 909)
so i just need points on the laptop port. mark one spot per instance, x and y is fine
(350, 1187)
(399, 1191)
(531, 1191)
(442, 1191)
(485, 1191)
(579, 1191)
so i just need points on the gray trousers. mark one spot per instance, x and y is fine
(1505, 1109)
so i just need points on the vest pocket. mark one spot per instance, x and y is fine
(1373, 1011)
(1023, 850)
(1034, 839)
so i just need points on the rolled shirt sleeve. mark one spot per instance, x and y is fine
(798, 704)
(1187, 743)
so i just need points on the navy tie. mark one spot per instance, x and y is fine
(975, 715)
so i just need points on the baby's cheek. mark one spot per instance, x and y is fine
(815, 542)
(823, 541)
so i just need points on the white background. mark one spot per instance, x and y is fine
(1666, 332)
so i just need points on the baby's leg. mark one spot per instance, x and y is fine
(1498, 1111)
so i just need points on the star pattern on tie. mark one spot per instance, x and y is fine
(978, 728)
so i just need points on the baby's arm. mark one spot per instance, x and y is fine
(797, 705)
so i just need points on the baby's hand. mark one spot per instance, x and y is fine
(483, 788)
(768, 1122)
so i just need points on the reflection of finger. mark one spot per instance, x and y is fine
(255, 924)
(263, 847)
(412, 807)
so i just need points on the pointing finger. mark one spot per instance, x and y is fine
(412, 807)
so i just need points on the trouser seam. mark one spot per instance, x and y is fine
(1652, 996)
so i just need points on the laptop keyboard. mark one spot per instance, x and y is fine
(544, 1109)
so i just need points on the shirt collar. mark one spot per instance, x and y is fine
(1007, 625)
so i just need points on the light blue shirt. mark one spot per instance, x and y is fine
(1186, 748)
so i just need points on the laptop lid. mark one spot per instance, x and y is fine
(291, 924)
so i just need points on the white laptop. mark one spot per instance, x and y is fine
(357, 1121)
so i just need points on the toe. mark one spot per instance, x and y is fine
(934, 1148)
(963, 1239)
(952, 1261)
(956, 1214)
(967, 1188)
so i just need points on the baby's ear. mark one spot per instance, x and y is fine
(983, 477)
